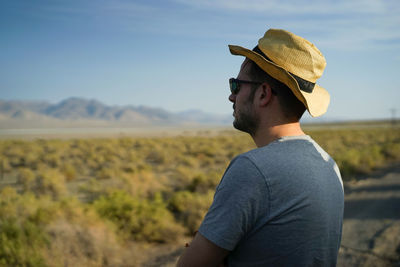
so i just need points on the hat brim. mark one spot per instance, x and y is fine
(316, 102)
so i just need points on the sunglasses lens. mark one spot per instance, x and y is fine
(234, 86)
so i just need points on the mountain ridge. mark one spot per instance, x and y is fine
(92, 111)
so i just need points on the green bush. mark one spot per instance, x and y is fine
(203, 182)
(141, 220)
(22, 239)
(42, 232)
(190, 208)
(392, 151)
(79, 237)
(26, 177)
(50, 182)
(21, 243)
(69, 171)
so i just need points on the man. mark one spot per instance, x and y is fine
(280, 204)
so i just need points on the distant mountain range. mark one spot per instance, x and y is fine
(81, 112)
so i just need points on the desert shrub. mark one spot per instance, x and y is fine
(5, 166)
(187, 161)
(392, 150)
(359, 151)
(81, 245)
(50, 182)
(194, 179)
(157, 156)
(80, 238)
(21, 237)
(95, 188)
(52, 160)
(203, 182)
(26, 177)
(21, 243)
(190, 208)
(42, 232)
(30, 159)
(141, 220)
(145, 183)
(181, 178)
(69, 171)
(106, 173)
(14, 154)
(372, 157)
(92, 190)
(348, 161)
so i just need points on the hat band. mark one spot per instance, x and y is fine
(304, 85)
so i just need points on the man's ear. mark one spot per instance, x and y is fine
(265, 93)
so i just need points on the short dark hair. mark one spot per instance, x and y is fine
(292, 108)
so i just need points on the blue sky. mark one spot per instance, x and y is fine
(173, 54)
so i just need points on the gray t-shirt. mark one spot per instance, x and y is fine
(279, 205)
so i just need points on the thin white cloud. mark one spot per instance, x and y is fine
(292, 6)
(340, 24)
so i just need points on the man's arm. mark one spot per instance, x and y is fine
(202, 252)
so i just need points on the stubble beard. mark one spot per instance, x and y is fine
(245, 120)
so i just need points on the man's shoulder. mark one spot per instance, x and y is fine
(242, 162)
(241, 171)
(280, 146)
(289, 153)
(284, 145)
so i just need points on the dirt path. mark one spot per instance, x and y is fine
(371, 228)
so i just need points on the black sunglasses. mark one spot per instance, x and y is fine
(234, 85)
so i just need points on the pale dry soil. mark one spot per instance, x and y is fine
(371, 227)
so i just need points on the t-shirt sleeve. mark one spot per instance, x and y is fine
(240, 200)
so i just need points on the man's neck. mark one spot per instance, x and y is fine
(266, 135)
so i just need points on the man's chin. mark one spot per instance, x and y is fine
(244, 127)
(237, 125)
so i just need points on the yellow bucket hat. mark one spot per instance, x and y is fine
(295, 62)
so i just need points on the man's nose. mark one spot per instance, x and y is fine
(232, 98)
